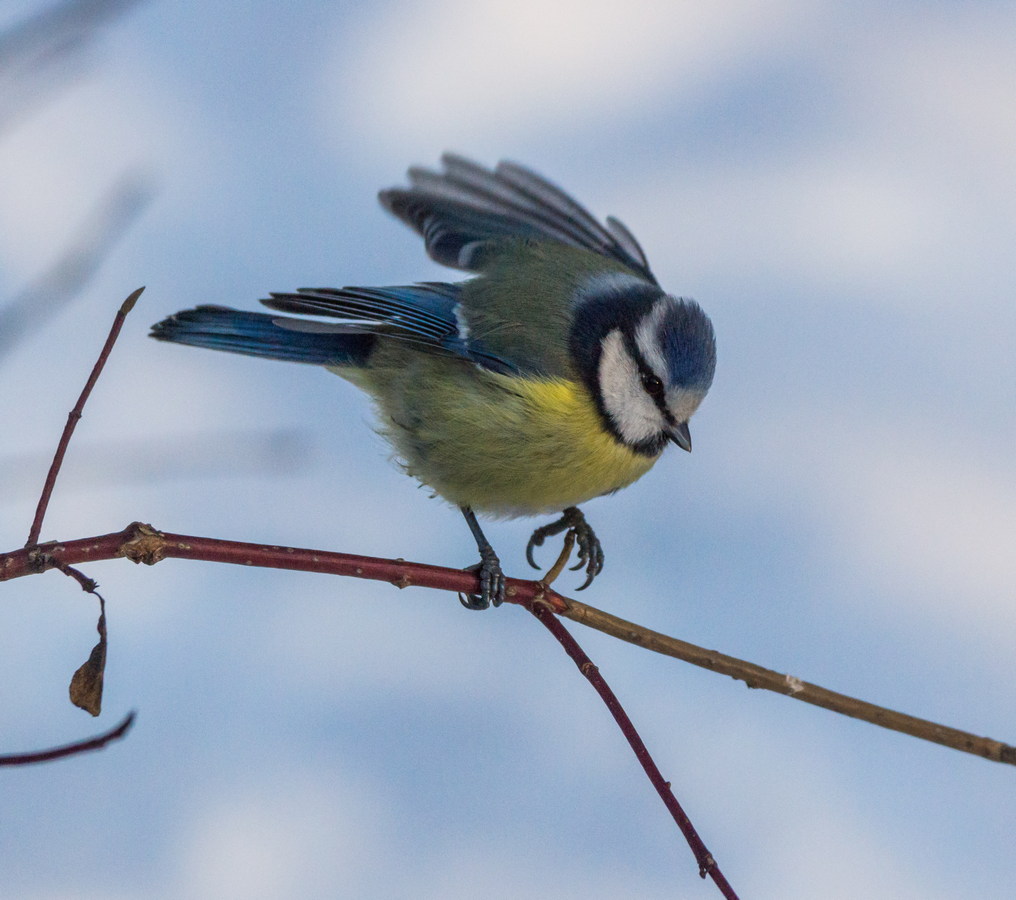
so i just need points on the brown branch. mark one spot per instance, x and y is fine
(95, 743)
(75, 415)
(143, 544)
(758, 677)
(706, 863)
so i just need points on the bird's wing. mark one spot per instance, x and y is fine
(466, 212)
(264, 335)
(421, 314)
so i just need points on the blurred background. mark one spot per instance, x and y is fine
(833, 182)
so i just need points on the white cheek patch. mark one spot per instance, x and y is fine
(633, 411)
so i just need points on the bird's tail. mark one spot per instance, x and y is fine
(265, 335)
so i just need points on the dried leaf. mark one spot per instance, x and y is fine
(86, 685)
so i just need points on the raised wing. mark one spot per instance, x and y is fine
(466, 212)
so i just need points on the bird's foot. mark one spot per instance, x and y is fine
(590, 551)
(492, 584)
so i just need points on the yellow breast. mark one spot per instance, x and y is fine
(504, 445)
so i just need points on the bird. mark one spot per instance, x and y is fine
(557, 373)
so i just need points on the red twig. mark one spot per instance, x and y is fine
(143, 544)
(707, 865)
(75, 415)
(95, 743)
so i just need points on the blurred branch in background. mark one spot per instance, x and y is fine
(145, 462)
(41, 55)
(78, 747)
(41, 301)
(46, 52)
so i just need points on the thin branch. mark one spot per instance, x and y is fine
(562, 558)
(789, 686)
(95, 743)
(143, 544)
(75, 415)
(706, 863)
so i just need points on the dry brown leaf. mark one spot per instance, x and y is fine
(86, 685)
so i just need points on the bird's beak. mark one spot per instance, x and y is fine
(681, 436)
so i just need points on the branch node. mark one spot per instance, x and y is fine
(39, 560)
(88, 585)
(706, 866)
(540, 598)
(147, 545)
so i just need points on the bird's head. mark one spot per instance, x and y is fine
(647, 357)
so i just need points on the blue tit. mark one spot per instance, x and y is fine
(558, 373)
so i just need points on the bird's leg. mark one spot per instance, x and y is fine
(590, 551)
(491, 577)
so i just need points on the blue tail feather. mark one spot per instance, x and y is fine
(259, 334)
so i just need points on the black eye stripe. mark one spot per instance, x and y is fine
(650, 379)
(654, 388)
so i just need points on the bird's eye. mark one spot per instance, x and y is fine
(652, 384)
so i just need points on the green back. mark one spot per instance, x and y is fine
(522, 306)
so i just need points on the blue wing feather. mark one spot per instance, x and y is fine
(422, 314)
(264, 335)
(424, 310)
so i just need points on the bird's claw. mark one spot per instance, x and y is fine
(492, 583)
(590, 551)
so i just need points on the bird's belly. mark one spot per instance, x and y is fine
(503, 445)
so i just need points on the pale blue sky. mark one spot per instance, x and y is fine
(833, 182)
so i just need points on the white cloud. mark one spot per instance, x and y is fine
(902, 181)
(59, 162)
(441, 71)
(825, 220)
(934, 521)
(901, 506)
(294, 837)
(955, 77)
